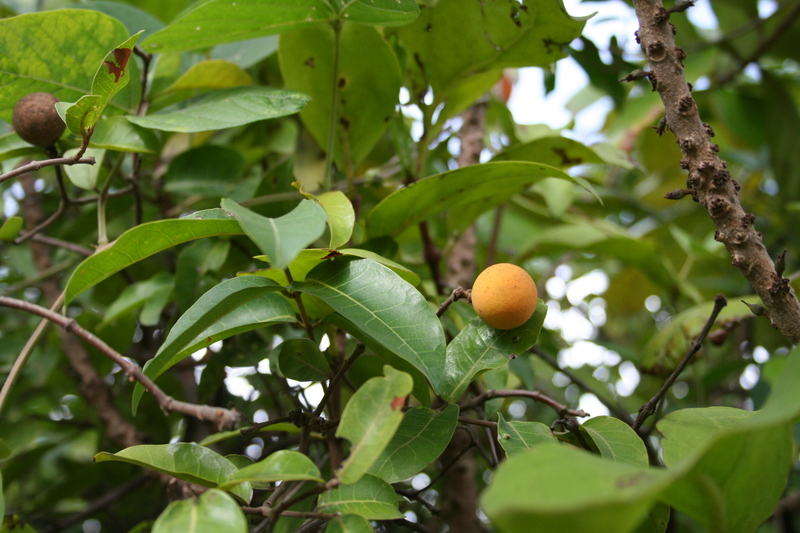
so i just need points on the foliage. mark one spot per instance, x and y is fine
(269, 229)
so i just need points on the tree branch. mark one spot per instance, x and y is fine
(650, 407)
(561, 409)
(223, 418)
(715, 189)
(36, 165)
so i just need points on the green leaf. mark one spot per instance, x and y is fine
(261, 311)
(145, 240)
(491, 36)
(349, 523)
(307, 259)
(215, 304)
(381, 12)
(283, 465)
(479, 347)
(112, 76)
(485, 185)
(728, 459)
(421, 438)
(559, 152)
(138, 294)
(211, 74)
(370, 497)
(182, 460)
(368, 85)
(583, 492)
(281, 239)
(85, 176)
(617, 441)
(301, 360)
(517, 436)
(56, 52)
(212, 511)
(209, 171)
(10, 228)
(341, 217)
(12, 146)
(370, 419)
(384, 306)
(116, 133)
(215, 22)
(225, 108)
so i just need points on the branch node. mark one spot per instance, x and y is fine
(756, 309)
(636, 75)
(686, 105)
(780, 264)
(678, 194)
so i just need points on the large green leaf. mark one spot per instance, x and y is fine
(215, 22)
(225, 108)
(307, 259)
(718, 491)
(281, 239)
(211, 74)
(516, 436)
(553, 488)
(370, 497)
(56, 52)
(381, 12)
(214, 510)
(283, 465)
(485, 185)
(158, 287)
(616, 440)
(116, 133)
(385, 307)
(421, 438)
(215, 304)
(478, 348)
(182, 460)
(491, 36)
(370, 419)
(261, 311)
(559, 152)
(368, 84)
(145, 240)
(111, 77)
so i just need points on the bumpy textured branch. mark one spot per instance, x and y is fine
(714, 188)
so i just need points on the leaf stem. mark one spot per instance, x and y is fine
(102, 199)
(298, 298)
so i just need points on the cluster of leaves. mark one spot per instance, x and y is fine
(207, 133)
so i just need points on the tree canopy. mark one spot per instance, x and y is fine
(235, 294)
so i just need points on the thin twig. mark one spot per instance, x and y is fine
(298, 298)
(102, 502)
(457, 294)
(281, 508)
(223, 418)
(58, 243)
(613, 407)
(360, 348)
(490, 394)
(261, 425)
(477, 422)
(63, 204)
(650, 407)
(37, 165)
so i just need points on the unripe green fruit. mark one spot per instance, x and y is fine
(504, 296)
(36, 121)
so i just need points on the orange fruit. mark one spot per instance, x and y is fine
(504, 296)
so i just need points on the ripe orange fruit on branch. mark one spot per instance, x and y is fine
(504, 296)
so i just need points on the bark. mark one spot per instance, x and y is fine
(711, 184)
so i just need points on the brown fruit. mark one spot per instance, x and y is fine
(36, 121)
(504, 296)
